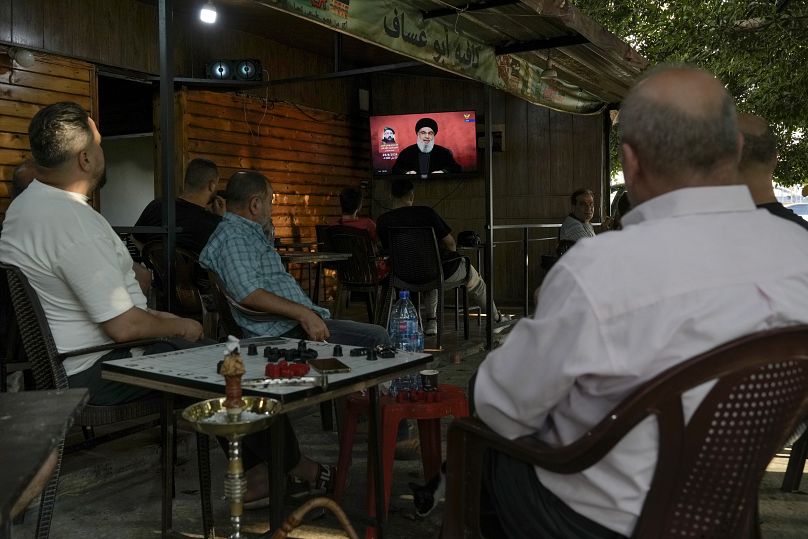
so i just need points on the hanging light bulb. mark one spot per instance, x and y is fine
(208, 13)
(23, 57)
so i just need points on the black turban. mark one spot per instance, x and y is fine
(426, 122)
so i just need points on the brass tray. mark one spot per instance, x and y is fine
(209, 416)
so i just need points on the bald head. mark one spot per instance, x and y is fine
(758, 157)
(23, 175)
(681, 127)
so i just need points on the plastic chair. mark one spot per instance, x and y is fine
(358, 273)
(708, 471)
(450, 401)
(417, 267)
(186, 297)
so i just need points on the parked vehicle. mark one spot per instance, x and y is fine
(800, 208)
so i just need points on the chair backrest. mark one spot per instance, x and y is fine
(34, 330)
(709, 468)
(185, 296)
(415, 258)
(360, 269)
(223, 305)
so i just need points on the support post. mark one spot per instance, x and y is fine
(165, 16)
(489, 216)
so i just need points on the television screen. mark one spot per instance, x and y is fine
(424, 144)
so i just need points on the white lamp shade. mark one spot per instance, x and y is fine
(23, 57)
(208, 13)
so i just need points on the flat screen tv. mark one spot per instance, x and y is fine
(426, 145)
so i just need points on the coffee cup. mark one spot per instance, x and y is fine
(429, 380)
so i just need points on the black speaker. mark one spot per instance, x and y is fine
(247, 69)
(241, 69)
(220, 69)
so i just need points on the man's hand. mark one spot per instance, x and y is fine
(218, 206)
(189, 329)
(313, 325)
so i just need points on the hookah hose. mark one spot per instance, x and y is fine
(294, 520)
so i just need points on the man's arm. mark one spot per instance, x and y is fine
(137, 324)
(312, 324)
(143, 277)
(448, 242)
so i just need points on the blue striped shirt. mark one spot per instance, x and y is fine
(239, 252)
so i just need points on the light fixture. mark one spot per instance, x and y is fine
(548, 73)
(208, 13)
(23, 57)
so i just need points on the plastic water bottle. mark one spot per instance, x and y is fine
(407, 336)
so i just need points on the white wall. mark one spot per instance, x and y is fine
(130, 178)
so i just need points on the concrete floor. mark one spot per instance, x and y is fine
(113, 491)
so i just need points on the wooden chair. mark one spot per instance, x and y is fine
(708, 470)
(186, 297)
(417, 267)
(358, 273)
(49, 373)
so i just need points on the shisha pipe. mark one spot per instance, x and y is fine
(235, 484)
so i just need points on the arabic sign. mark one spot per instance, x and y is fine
(400, 28)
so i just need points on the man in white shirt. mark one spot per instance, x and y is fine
(75, 262)
(696, 265)
(578, 224)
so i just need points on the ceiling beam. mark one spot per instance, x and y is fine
(478, 6)
(540, 44)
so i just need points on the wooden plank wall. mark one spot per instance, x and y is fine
(308, 155)
(23, 92)
(547, 156)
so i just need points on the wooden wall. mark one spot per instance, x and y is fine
(547, 155)
(123, 34)
(308, 155)
(23, 92)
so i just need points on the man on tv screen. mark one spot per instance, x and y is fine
(425, 157)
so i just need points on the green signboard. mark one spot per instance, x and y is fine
(400, 28)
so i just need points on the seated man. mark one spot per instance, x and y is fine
(241, 252)
(197, 209)
(577, 224)
(696, 265)
(75, 262)
(402, 193)
(350, 201)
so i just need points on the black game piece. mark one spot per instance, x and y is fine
(337, 351)
(272, 354)
(371, 355)
(301, 346)
(359, 352)
(252, 349)
(385, 351)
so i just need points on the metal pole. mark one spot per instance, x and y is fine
(525, 244)
(167, 136)
(489, 216)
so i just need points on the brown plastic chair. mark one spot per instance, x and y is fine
(417, 267)
(358, 273)
(708, 471)
(186, 299)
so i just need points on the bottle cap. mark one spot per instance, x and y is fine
(404, 294)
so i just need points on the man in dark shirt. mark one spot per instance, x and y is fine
(425, 157)
(191, 207)
(404, 214)
(758, 161)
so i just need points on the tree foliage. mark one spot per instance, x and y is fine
(756, 47)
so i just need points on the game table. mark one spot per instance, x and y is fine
(192, 373)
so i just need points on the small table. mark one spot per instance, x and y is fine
(192, 373)
(318, 257)
(33, 424)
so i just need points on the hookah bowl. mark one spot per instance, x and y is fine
(211, 417)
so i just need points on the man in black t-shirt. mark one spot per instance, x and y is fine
(198, 209)
(404, 214)
(758, 161)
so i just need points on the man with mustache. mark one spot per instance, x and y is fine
(75, 262)
(425, 157)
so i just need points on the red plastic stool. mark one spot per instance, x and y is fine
(427, 407)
